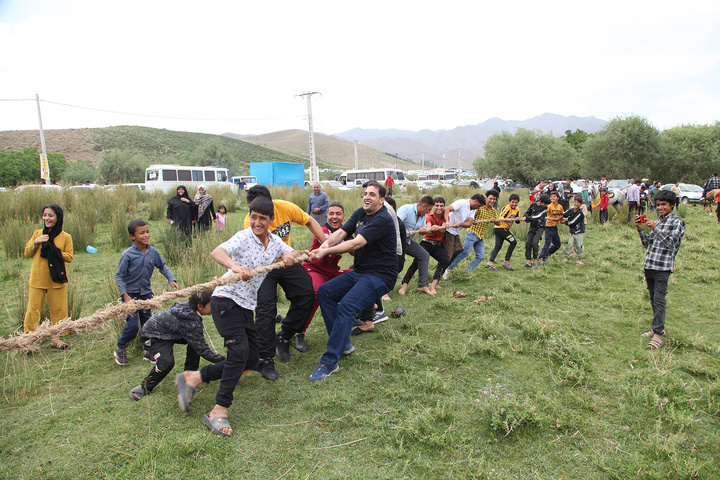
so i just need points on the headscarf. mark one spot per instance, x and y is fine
(184, 195)
(49, 250)
(202, 201)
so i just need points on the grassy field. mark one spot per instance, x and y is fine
(548, 379)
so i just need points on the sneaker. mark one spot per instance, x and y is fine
(349, 348)
(121, 357)
(147, 356)
(579, 262)
(446, 275)
(565, 260)
(299, 342)
(282, 349)
(323, 371)
(379, 317)
(267, 369)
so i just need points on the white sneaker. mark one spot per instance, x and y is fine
(446, 275)
(379, 317)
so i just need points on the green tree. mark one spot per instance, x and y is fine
(691, 154)
(528, 156)
(211, 153)
(122, 167)
(626, 147)
(18, 166)
(577, 138)
(81, 171)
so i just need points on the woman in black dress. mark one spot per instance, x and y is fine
(181, 211)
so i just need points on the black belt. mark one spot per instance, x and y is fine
(432, 242)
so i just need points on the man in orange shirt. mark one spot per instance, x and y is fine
(554, 214)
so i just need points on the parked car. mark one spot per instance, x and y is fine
(333, 184)
(689, 193)
(55, 188)
(514, 186)
(619, 185)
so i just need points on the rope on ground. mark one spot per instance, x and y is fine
(26, 342)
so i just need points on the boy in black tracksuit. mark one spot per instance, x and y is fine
(574, 218)
(535, 216)
(181, 323)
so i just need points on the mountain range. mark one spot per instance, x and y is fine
(467, 141)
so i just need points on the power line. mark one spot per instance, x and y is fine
(152, 116)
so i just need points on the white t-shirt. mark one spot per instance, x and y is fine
(461, 212)
(246, 250)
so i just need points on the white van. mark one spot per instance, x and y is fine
(168, 177)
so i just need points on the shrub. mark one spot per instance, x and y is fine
(15, 235)
(81, 228)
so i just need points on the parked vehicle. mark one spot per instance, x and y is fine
(333, 184)
(168, 177)
(56, 188)
(249, 181)
(619, 185)
(689, 193)
(378, 174)
(515, 186)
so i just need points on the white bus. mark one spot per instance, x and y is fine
(348, 177)
(168, 177)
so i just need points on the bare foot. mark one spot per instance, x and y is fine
(426, 290)
(219, 411)
(386, 298)
(403, 289)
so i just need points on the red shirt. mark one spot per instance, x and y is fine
(432, 219)
(327, 266)
(389, 182)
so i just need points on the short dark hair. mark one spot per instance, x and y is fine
(263, 206)
(666, 196)
(257, 191)
(480, 198)
(200, 298)
(439, 200)
(578, 198)
(337, 204)
(554, 192)
(373, 183)
(134, 225)
(544, 198)
(222, 206)
(514, 196)
(427, 200)
(391, 201)
(493, 192)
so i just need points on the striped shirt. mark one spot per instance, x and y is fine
(663, 243)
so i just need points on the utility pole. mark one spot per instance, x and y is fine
(314, 175)
(459, 162)
(443, 162)
(44, 166)
(357, 163)
(423, 161)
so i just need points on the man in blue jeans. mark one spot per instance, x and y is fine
(474, 237)
(373, 274)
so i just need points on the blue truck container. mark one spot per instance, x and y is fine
(279, 173)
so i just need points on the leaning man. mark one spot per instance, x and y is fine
(373, 274)
(662, 244)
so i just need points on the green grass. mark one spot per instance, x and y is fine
(548, 379)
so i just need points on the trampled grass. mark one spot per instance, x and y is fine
(548, 379)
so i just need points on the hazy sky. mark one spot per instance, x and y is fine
(236, 66)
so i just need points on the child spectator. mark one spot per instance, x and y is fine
(604, 199)
(136, 266)
(574, 218)
(552, 239)
(535, 215)
(221, 218)
(502, 233)
(181, 323)
(643, 200)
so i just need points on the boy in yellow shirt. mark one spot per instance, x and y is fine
(502, 233)
(554, 214)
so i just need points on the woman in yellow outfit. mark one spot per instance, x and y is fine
(50, 248)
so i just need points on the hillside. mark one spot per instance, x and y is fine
(328, 149)
(157, 145)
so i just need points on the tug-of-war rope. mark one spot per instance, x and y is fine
(475, 222)
(27, 342)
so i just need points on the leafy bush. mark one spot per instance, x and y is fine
(15, 235)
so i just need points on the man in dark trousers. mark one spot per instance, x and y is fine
(373, 274)
(294, 280)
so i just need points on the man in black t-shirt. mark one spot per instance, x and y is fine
(373, 274)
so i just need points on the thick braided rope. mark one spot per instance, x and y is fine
(475, 222)
(28, 341)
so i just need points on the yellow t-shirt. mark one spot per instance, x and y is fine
(508, 212)
(554, 211)
(39, 270)
(285, 214)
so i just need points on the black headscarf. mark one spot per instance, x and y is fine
(56, 263)
(185, 194)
